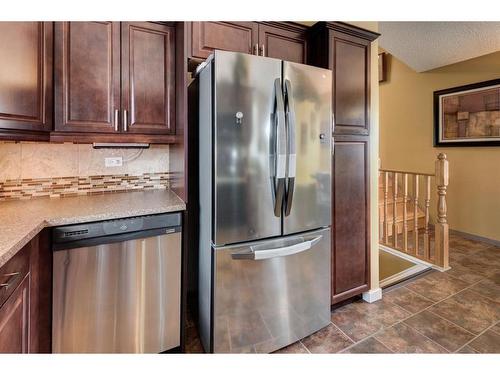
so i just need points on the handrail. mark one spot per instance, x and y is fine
(408, 172)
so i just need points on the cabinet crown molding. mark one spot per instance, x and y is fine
(347, 29)
(292, 26)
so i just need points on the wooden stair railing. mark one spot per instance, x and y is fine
(405, 218)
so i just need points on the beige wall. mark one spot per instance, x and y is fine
(374, 155)
(406, 136)
(45, 160)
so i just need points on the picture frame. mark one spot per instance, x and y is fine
(468, 116)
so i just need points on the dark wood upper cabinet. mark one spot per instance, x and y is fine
(226, 36)
(281, 40)
(87, 76)
(346, 50)
(351, 84)
(286, 43)
(26, 78)
(115, 82)
(14, 321)
(350, 217)
(148, 78)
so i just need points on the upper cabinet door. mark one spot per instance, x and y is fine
(148, 78)
(87, 76)
(288, 45)
(26, 75)
(226, 36)
(351, 83)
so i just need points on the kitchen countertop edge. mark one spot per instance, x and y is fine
(26, 234)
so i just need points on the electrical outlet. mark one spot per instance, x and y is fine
(113, 162)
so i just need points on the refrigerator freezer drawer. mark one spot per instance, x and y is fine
(271, 293)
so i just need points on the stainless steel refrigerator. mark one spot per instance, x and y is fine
(265, 148)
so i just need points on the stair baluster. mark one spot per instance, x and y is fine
(386, 195)
(405, 213)
(395, 209)
(427, 254)
(415, 214)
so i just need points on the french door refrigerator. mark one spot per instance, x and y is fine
(265, 148)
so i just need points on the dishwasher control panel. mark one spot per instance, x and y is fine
(131, 226)
(120, 226)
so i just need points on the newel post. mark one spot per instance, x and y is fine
(441, 228)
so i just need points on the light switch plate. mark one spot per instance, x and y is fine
(113, 162)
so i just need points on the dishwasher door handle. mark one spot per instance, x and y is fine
(260, 254)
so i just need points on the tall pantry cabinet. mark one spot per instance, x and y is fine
(345, 50)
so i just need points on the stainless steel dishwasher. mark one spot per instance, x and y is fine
(117, 285)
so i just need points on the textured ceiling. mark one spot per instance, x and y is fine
(429, 45)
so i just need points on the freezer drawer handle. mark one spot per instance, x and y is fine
(279, 252)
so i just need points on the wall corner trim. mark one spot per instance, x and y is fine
(372, 295)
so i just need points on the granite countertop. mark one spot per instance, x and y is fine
(22, 220)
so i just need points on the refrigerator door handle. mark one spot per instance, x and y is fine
(333, 123)
(280, 149)
(292, 156)
(256, 253)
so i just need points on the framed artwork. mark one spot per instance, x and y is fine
(468, 115)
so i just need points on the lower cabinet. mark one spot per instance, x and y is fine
(350, 218)
(14, 320)
(26, 300)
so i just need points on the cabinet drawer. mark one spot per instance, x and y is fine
(13, 272)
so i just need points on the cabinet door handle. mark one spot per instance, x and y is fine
(256, 49)
(117, 114)
(12, 277)
(263, 50)
(125, 120)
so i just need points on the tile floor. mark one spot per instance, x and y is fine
(457, 311)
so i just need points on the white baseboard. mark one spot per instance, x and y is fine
(372, 295)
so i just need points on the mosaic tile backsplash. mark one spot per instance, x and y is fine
(30, 169)
(73, 186)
